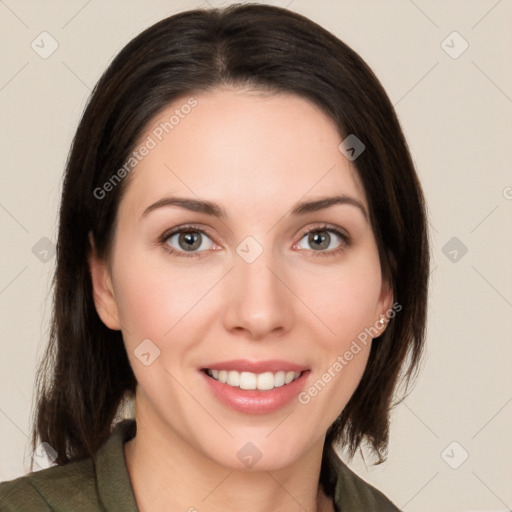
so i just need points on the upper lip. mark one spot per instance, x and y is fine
(245, 365)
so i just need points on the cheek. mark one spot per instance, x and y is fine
(345, 299)
(347, 305)
(153, 296)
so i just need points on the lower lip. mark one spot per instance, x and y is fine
(253, 401)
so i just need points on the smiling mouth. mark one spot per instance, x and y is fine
(253, 381)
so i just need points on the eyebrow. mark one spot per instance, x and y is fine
(213, 209)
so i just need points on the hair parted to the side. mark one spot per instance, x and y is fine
(85, 370)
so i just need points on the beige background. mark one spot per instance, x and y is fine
(456, 113)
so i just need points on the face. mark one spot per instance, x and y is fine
(241, 280)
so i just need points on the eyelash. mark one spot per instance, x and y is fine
(191, 228)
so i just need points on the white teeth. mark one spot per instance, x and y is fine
(289, 377)
(266, 381)
(248, 380)
(279, 379)
(233, 379)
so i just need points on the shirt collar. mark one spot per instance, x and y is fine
(112, 478)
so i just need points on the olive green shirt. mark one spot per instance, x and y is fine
(104, 486)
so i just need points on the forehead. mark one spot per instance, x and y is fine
(243, 149)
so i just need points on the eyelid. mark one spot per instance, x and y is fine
(185, 227)
(325, 226)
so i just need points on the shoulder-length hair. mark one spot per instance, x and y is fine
(85, 370)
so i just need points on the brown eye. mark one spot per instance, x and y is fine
(319, 240)
(189, 241)
(323, 240)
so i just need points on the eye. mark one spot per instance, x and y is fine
(187, 240)
(323, 239)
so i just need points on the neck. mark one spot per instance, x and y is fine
(169, 474)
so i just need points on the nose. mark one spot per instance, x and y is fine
(258, 302)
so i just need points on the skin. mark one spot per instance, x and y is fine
(256, 156)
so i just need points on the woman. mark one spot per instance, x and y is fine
(243, 247)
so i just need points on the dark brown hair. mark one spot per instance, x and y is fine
(85, 370)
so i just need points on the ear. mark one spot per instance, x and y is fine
(385, 308)
(102, 289)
